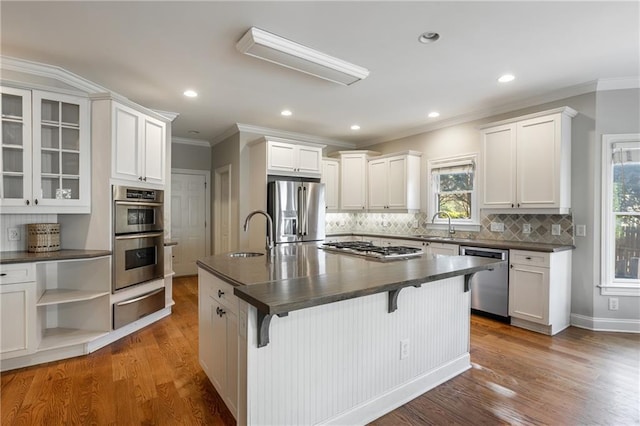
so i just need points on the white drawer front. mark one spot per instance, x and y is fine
(17, 273)
(530, 258)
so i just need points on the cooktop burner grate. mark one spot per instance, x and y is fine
(368, 249)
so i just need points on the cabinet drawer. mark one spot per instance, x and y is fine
(218, 290)
(530, 258)
(17, 273)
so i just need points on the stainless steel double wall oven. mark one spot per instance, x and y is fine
(138, 241)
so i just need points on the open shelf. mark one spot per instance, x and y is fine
(54, 338)
(61, 295)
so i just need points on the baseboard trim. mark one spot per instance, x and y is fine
(389, 401)
(606, 324)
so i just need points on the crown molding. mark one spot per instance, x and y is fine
(187, 141)
(618, 83)
(51, 71)
(268, 132)
(567, 92)
(167, 114)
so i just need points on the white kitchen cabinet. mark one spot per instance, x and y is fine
(394, 182)
(527, 162)
(138, 146)
(46, 160)
(17, 310)
(293, 159)
(540, 290)
(442, 249)
(331, 180)
(353, 179)
(218, 336)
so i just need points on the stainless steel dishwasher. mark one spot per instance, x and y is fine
(490, 289)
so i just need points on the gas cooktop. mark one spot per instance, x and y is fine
(367, 249)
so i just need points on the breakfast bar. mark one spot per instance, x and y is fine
(309, 336)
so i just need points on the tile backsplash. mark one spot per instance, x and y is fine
(20, 221)
(411, 224)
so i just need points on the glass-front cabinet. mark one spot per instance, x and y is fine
(45, 152)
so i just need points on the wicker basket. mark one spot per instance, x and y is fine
(43, 237)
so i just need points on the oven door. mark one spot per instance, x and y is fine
(136, 217)
(137, 258)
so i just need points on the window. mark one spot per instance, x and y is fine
(453, 189)
(621, 214)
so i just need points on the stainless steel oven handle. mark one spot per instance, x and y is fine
(138, 236)
(137, 299)
(137, 203)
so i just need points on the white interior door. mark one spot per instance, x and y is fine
(189, 220)
(222, 209)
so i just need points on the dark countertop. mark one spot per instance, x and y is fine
(299, 276)
(498, 244)
(7, 257)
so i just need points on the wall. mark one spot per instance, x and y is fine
(20, 221)
(226, 153)
(192, 157)
(617, 111)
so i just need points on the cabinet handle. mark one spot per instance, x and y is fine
(528, 257)
(220, 312)
(220, 293)
(3, 275)
(139, 177)
(511, 266)
(512, 206)
(27, 202)
(35, 201)
(144, 178)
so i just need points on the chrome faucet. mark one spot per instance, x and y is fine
(269, 244)
(451, 229)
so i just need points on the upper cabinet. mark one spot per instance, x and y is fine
(46, 162)
(527, 162)
(294, 159)
(138, 146)
(394, 182)
(331, 180)
(353, 179)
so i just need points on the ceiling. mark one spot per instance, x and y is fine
(151, 51)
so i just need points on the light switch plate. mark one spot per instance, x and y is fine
(555, 229)
(581, 230)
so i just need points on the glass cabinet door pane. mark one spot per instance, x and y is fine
(11, 106)
(50, 163)
(50, 111)
(12, 160)
(50, 137)
(12, 187)
(71, 114)
(70, 163)
(50, 185)
(71, 139)
(70, 188)
(12, 133)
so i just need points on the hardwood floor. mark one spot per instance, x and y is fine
(577, 377)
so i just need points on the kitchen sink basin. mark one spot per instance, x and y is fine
(245, 254)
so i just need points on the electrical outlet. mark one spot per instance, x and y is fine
(581, 230)
(555, 229)
(415, 224)
(526, 228)
(613, 303)
(404, 348)
(13, 234)
(497, 227)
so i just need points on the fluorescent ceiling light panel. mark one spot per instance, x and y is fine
(270, 47)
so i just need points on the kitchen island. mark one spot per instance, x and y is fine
(306, 336)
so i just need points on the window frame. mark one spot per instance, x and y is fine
(609, 284)
(472, 224)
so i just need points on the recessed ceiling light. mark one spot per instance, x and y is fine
(190, 93)
(434, 114)
(506, 78)
(355, 127)
(428, 37)
(286, 113)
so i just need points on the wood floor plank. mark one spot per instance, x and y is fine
(577, 377)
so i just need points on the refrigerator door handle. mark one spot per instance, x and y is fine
(305, 211)
(299, 212)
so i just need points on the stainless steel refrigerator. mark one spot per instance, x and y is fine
(297, 209)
